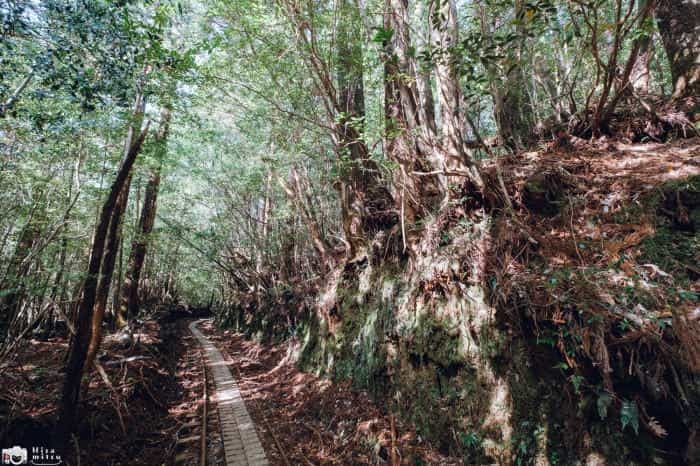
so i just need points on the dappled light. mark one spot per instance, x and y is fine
(350, 232)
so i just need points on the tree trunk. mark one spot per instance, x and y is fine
(107, 270)
(129, 304)
(425, 158)
(365, 201)
(19, 267)
(77, 352)
(351, 108)
(12, 99)
(263, 228)
(679, 26)
(117, 293)
(297, 193)
(422, 25)
(364, 198)
(445, 33)
(640, 75)
(513, 110)
(409, 138)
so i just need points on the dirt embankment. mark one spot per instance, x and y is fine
(304, 419)
(569, 333)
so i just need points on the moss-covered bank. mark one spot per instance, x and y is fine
(491, 373)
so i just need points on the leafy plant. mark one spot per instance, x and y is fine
(470, 440)
(603, 403)
(629, 415)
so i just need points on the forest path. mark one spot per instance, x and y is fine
(240, 440)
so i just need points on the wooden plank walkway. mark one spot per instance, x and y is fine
(241, 444)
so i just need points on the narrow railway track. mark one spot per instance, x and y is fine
(241, 444)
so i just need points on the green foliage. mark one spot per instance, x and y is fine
(671, 248)
(383, 36)
(602, 404)
(629, 415)
(248, 107)
(470, 440)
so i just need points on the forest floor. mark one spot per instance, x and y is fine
(616, 215)
(148, 409)
(144, 412)
(305, 419)
(596, 267)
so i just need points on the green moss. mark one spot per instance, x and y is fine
(674, 247)
(358, 351)
(309, 358)
(434, 341)
(536, 186)
(672, 250)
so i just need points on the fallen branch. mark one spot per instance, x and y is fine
(148, 389)
(115, 402)
(123, 360)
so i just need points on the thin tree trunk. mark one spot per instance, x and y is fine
(12, 100)
(264, 225)
(116, 295)
(107, 270)
(19, 268)
(77, 352)
(296, 191)
(129, 304)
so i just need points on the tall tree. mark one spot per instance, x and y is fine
(409, 138)
(364, 197)
(128, 306)
(679, 26)
(426, 160)
(512, 108)
(445, 32)
(77, 352)
(112, 244)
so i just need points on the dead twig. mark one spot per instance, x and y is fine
(77, 449)
(115, 401)
(148, 389)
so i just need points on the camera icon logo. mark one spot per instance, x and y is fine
(14, 455)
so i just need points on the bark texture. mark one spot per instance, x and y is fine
(129, 302)
(107, 270)
(445, 32)
(77, 351)
(679, 26)
(18, 270)
(409, 134)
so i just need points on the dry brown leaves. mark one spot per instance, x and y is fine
(314, 420)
